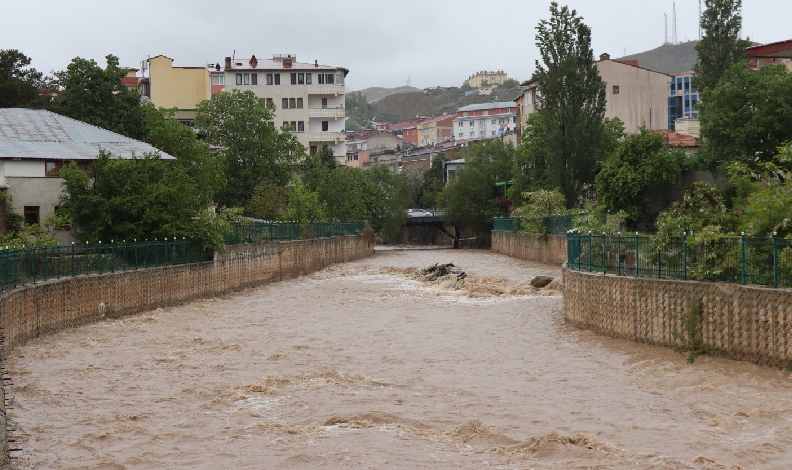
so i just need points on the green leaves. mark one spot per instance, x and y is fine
(720, 46)
(20, 85)
(252, 149)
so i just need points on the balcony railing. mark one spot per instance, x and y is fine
(326, 136)
(325, 89)
(336, 112)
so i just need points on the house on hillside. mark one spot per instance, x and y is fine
(485, 121)
(775, 53)
(35, 144)
(434, 130)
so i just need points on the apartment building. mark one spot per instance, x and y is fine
(308, 98)
(487, 77)
(525, 104)
(485, 121)
(433, 130)
(682, 98)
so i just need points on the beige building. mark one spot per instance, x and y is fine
(634, 94)
(688, 126)
(308, 98)
(177, 87)
(434, 130)
(525, 104)
(487, 77)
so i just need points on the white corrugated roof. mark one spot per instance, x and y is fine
(44, 135)
(477, 107)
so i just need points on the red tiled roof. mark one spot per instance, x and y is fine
(773, 49)
(674, 139)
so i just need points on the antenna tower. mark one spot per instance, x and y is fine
(699, 20)
(665, 22)
(674, 30)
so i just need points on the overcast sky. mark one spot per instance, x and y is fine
(381, 42)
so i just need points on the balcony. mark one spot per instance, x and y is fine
(334, 112)
(334, 90)
(326, 136)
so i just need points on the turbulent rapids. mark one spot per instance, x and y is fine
(405, 360)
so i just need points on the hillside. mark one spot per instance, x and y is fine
(670, 58)
(373, 94)
(405, 106)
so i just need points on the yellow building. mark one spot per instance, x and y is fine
(178, 87)
(486, 77)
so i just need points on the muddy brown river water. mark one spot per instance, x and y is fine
(366, 365)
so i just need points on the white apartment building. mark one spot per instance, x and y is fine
(308, 98)
(485, 121)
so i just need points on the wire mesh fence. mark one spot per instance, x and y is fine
(24, 265)
(743, 260)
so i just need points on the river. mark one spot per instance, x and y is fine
(369, 365)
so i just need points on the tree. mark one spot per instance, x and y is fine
(573, 100)
(269, 202)
(326, 156)
(303, 207)
(469, 200)
(97, 96)
(433, 182)
(640, 168)
(20, 86)
(178, 140)
(252, 150)
(142, 198)
(539, 205)
(720, 44)
(510, 83)
(748, 115)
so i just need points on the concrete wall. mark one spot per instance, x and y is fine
(177, 87)
(29, 191)
(751, 323)
(551, 250)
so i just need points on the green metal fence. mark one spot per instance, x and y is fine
(743, 260)
(556, 224)
(274, 231)
(20, 266)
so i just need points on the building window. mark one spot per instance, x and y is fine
(294, 79)
(293, 126)
(292, 103)
(218, 79)
(307, 78)
(494, 121)
(301, 79)
(472, 133)
(285, 125)
(615, 89)
(53, 168)
(254, 79)
(471, 123)
(299, 102)
(285, 103)
(269, 101)
(486, 113)
(325, 126)
(273, 79)
(246, 79)
(31, 215)
(300, 126)
(461, 135)
(324, 102)
(239, 79)
(313, 149)
(464, 114)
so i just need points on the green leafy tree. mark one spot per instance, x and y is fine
(510, 83)
(390, 200)
(142, 198)
(414, 179)
(539, 205)
(358, 111)
(573, 101)
(433, 182)
(639, 168)
(20, 85)
(269, 202)
(98, 96)
(252, 150)
(178, 140)
(326, 156)
(720, 46)
(469, 200)
(303, 207)
(748, 115)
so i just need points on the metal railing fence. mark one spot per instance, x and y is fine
(554, 225)
(24, 265)
(743, 260)
(277, 231)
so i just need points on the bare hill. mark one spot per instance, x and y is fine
(373, 94)
(670, 58)
(433, 102)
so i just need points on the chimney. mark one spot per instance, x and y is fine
(605, 56)
(316, 63)
(253, 61)
(228, 62)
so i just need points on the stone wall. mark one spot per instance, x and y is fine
(748, 322)
(34, 310)
(550, 250)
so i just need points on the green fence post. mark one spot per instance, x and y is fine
(33, 264)
(659, 264)
(46, 264)
(684, 255)
(589, 252)
(618, 255)
(775, 259)
(604, 269)
(636, 254)
(15, 266)
(74, 267)
(59, 261)
(742, 249)
(101, 258)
